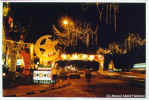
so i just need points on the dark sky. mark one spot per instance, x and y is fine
(41, 16)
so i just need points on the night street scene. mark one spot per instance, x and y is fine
(74, 50)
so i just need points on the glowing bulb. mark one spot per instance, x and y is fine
(99, 56)
(65, 22)
(91, 57)
(75, 56)
(84, 56)
(64, 56)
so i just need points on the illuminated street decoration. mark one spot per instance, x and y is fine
(5, 12)
(101, 66)
(5, 9)
(17, 56)
(75, 57)
(100, 59)
(43, 69)
(11, 55)
(91, 57)
(111, 66)
(10, 22)
(111, 13)
(13, 60)
(85, 57)
(66, 22)
(64, 56)
(45, 50)
(26, 57)
(73, 32)
(132, 41)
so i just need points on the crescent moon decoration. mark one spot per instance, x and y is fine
(45, 49)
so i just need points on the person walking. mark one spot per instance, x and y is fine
(62, 77)
(88, 76)
(54, 76)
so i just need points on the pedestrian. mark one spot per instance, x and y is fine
(88, 75)
(54, 76)
(61, 77)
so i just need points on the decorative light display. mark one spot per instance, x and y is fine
(132, 41)
(109, 12)
(73, 32)
(82, 57)
(91, 57)
(45, 49)
(64, 56)
(5, 9)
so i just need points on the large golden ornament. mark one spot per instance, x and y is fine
(45, 49)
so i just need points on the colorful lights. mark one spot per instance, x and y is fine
(64, 56)
(91, 57)
(5, 9)
(100, 57)
(65, 22)
(82, 57)
(75, 57)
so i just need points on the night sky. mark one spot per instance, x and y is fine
(39, 18)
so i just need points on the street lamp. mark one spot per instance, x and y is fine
(65, 22)
(68, 25)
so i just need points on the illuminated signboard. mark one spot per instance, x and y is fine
(42, 75)
(44, 69)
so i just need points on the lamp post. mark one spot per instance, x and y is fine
(66, 25)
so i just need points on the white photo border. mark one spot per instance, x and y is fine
(76, 98)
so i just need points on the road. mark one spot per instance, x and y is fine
(99, 86)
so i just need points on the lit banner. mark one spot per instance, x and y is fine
(42, 75)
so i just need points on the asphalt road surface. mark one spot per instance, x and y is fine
(99, 86)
